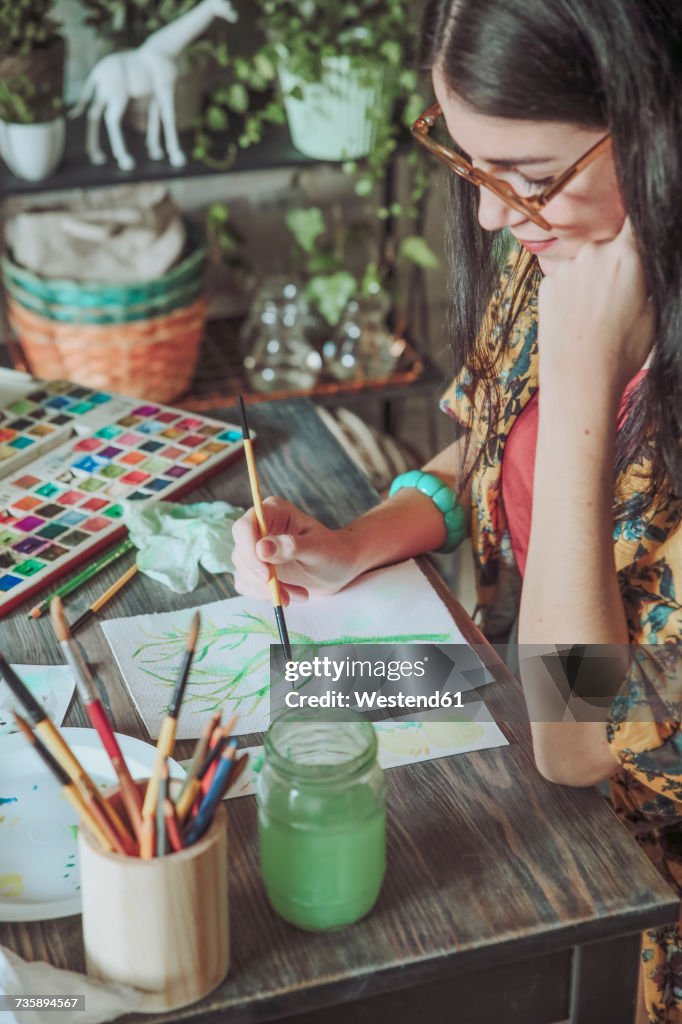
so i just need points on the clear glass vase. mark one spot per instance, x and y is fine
(280, 355)
(363, 346)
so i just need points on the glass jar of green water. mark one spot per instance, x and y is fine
(321, 819)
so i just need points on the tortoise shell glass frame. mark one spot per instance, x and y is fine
(528, 205)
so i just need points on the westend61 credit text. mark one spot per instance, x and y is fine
(368, 701)
(389, 680)
(363, 670)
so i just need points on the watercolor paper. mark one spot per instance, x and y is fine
(231, 667)
(52, 685)
(406, 741)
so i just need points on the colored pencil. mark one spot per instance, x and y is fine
(185, 801)
(161, 845)
(216, 747)
(166, 740)
(239, 767)
(273, 582)
(104, 598)
(110, 821)
(200, 750)
(215, 794)
(69, 791)
(82, 577)
(172, 826)
(89, 696)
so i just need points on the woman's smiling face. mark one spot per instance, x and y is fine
(526, 154)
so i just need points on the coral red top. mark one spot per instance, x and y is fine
(518, 465)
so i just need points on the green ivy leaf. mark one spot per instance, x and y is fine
(274, 113)
(417, 251)
(392, 51)
(238, 98)
(264, 67)
(371, 280)
(331, 294)
(242, 69)
(364, 186)
(218, 213)
(216, 119)
(306, 226)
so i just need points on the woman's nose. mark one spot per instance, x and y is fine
(494, 214)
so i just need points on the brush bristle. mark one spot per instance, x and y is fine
(194, 628)
(23, 725)
(242, 414)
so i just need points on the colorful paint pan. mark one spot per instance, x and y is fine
(71, 497)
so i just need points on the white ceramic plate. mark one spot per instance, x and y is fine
(39, 874)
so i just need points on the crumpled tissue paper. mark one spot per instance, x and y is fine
(103, 1001)
(174, 540)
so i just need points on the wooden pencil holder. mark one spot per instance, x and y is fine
(160, 925)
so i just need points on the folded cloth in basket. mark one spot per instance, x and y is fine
(115, 237)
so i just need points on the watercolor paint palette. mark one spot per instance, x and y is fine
(70, 459)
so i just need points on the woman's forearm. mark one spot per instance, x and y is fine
(408, 524)
(571, 593)
(570, 590)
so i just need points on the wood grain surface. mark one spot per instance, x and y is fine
(489, 865)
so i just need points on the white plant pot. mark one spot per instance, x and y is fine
(337, 117)
(32, 151)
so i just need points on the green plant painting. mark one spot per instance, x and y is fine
(231, 662)
(231, 668)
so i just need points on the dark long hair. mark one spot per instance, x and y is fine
(611, 64)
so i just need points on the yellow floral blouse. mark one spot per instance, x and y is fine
(644, 730)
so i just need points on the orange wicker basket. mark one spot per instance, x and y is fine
(153, 358)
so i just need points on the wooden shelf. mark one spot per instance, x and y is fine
(220, 376)
(75, 171)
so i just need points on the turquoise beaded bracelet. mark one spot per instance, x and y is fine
(443, 498)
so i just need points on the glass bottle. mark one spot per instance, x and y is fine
(280, 355)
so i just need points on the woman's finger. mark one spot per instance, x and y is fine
(248, 562)
(246, 586)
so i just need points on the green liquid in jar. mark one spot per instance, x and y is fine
(328, 873)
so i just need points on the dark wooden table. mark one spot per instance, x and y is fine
(507, 899)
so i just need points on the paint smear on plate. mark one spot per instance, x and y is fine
(11, 886)
(8, 800)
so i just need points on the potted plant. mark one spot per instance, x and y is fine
(339, 68)
(31, 88)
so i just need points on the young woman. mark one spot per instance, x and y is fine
(564, 120)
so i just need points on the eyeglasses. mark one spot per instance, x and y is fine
(528, 205)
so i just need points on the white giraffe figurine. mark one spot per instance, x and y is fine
(150, 70)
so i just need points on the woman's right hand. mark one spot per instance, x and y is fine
(310, 558)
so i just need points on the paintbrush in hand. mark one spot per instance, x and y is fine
(273, 582)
